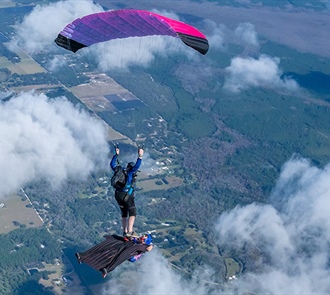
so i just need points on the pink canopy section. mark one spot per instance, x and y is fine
(124, 23)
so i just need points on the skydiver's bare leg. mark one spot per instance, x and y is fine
(125, 223)
(131, 221)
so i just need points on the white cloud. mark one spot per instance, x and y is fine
(39, 29)
(56, 62)
(295, 236)
(217, 34)
(137, 51)
(250, 72)
(47, 139)
(166, 13)
(155, 276)
(141, 51)
(245, 32)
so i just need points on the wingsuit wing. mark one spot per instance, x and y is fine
(111, 253)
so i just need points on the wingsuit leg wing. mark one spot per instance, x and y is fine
(110, 253)
(99, 256)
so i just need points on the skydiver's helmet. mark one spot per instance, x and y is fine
(130, 165)
(146, 239)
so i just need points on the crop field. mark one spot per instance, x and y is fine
(151, 185)
(100, 84)
(4, 4)
(115, 136)
(14, 209)
(26, 66)
(41, 88)
(4, 62)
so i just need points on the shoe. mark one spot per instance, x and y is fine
(78, 257)
(131, 234)
(104, 272)
(124, 234)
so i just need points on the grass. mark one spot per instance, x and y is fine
(15, 209)
(150, 184)
(27, 65)
(4, 4)
(232, 267)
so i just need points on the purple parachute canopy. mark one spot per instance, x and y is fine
(116, 24)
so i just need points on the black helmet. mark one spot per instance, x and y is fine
(130, 165)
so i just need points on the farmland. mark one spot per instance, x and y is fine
(17, 211)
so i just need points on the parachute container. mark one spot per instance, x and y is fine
(118, 24)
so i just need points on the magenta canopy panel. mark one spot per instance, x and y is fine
(124, 23)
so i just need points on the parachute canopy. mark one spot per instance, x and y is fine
(124, 23)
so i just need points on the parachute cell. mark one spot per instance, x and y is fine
(117, 24)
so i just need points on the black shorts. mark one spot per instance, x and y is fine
(126, 203)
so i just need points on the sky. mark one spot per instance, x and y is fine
(297, 218)
(47, 139)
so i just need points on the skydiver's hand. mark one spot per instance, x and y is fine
(149, 248)
(140, 152)
(117, 151)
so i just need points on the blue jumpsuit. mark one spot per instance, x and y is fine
(125, 196)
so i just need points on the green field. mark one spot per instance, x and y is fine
(14, 209)
(27, 65)
(232, 267)
(4, 4)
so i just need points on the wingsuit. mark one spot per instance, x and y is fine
(110, 253)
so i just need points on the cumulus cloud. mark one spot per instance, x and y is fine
(155, 276)
(137, 51)
(39, 28)
(56, 62)
(293, 231)
(124, 53)
(216, 34)
(261, 72)
(47, 139)
(246, 33)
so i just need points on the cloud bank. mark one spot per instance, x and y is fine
(246, 33)
(152, 275)
(249, 72)
(137, 51)
(47, 139)
(216, 35)
(293, 233)
(39, 29)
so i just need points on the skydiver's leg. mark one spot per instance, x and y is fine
(124, 218)
(131, 221)
(124, 210)
(131, 213)
(125, 222)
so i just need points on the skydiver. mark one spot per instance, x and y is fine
(107, 255)
(125, 196)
